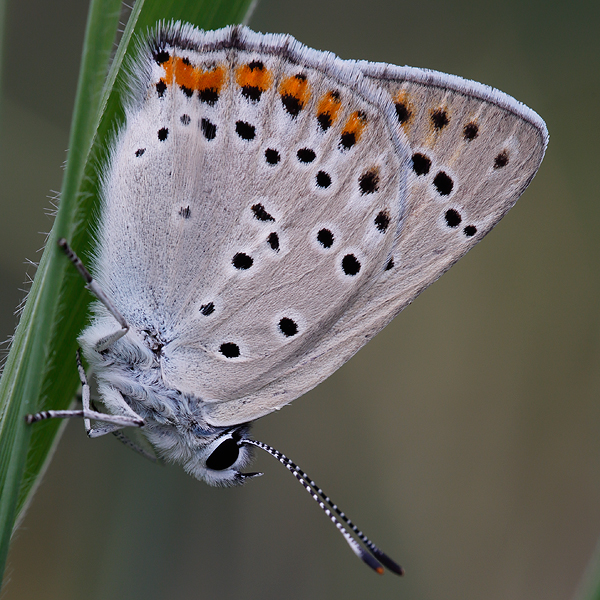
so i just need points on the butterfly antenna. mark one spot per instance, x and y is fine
(376, 558)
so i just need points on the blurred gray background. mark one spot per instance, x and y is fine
(463, 439)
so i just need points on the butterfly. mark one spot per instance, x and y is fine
(266, 209)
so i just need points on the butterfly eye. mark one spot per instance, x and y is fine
(224, 455)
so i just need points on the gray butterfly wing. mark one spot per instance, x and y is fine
(474, 150)
(253, 199)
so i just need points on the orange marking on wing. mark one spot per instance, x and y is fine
(169, 71)
(402, 96)
(328, 108)
(355, 124)
(185, 74)
(296, 87)
(194, 78)
(213, 79)
(253, 75)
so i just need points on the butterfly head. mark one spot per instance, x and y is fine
(220, 461)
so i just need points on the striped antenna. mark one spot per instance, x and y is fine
(375, 558)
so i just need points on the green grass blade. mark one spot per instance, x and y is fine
(40, 370)
(29, 372)
(589, 586)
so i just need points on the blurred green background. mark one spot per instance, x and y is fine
(463, 439)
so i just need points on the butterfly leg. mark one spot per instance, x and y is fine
(111, 422)
(93, 286)
(135, 446)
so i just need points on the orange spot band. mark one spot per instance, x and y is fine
(355, 124)
(329, 105)
(259, 78)
(194, 78)
(296, 87)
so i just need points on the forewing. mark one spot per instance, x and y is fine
(474, 150)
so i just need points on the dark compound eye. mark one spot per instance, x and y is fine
(223, 456)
